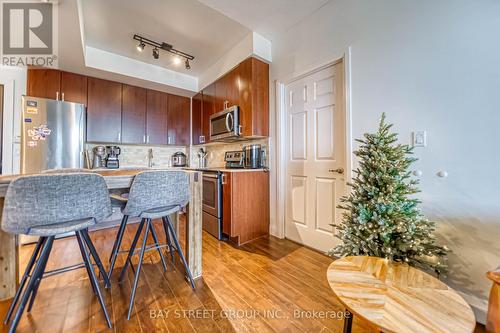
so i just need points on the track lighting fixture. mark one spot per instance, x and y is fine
(156, 53)
(141, 46)
(179, 55)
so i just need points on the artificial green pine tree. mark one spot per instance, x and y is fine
(382, 217)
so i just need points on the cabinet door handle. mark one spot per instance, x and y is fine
(144, 138)
(147, 138)
(119, 136)
(202, 139)
(223, 179)
(62, 96)
(57, 95)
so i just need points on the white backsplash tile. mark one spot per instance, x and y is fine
(137, 156)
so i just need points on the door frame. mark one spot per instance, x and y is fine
(281, 140)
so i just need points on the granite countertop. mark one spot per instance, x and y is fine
(223, 169)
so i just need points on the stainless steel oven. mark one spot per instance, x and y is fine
(212, 203)
(225, 124)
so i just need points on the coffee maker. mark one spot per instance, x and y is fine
(112, 161)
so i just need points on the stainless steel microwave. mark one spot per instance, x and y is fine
(225, 124)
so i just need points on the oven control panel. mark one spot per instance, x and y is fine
(233, 156)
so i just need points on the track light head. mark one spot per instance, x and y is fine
(156, 53)
(141, 46)
(186, 63)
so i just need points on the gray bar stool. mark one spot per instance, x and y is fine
(153, 195)
(49, 205)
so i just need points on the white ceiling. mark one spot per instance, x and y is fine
(188, 25)
(266, 17)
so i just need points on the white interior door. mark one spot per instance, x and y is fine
(315, 173)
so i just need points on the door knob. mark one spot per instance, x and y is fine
(338, 170)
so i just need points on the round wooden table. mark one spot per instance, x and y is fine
(395, 297)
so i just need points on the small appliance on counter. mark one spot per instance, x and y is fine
(254, 156)
(112, 161)
(202, 158)
(179, 159)
(234, 159)
(98, 161)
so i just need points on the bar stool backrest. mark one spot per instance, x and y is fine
(157, 189)
(54, 198)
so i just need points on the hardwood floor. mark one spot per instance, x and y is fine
(269, 285)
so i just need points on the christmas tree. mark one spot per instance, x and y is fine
(381, 215)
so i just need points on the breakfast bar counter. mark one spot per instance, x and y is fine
(115, 179)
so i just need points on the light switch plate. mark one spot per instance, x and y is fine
(419, 139)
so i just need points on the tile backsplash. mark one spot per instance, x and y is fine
(215, 157)
(137, 156)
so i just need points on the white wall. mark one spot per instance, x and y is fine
(430, 65)
(14, 81)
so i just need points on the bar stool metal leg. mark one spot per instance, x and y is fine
(179, 250)
(92, 276)
(93, 252)
(139, 265)
(81, 246)
(157, 243)
(37, 284)
(116, 246)
(36, 273)
(131, 251)
(26, 274)
(169, 242)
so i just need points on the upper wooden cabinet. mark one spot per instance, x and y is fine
(44, 83)
(104, 111)
(156, 123)
(178, 120)
(197, 118)
(58, 85)
(247, 85)
(133, 114)
(73, 88)
(253, 80)
(116, 112)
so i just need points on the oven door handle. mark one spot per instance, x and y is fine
(210, 176)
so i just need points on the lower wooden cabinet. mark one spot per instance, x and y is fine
(245, 205)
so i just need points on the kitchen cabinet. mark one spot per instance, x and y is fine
(58, 85)
(119, 113)
(73, 88)
(156, 117)
(133, 114)
(208, 110)
(245, 205)
(247, 85)
(197, 118)
(104, 111)
(44, 83)
(253, 81)
(178, 120)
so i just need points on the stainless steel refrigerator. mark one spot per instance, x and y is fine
(53, 135)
